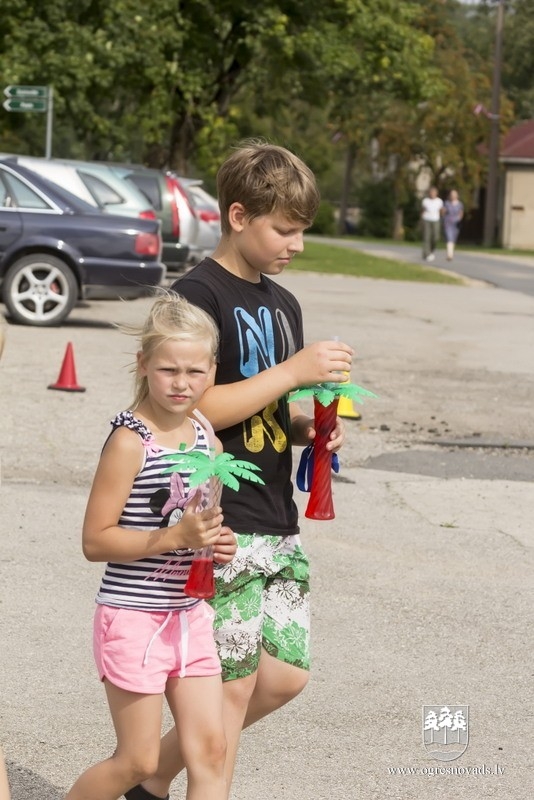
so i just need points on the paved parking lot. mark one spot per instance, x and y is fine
(422, 584)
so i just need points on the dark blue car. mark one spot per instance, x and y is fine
(56, 249)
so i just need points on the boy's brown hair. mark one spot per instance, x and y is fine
(265, 179)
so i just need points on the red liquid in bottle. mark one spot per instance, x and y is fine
(200, 582)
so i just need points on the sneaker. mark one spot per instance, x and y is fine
(430, 257)
(139, 793)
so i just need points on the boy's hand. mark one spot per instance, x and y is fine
(225, 547)
(321, 362)
(337, 437)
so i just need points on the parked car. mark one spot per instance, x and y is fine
(206, 208)
(56, 249)
(173, 207)
(95, 183)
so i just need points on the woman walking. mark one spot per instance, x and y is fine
(453, 212)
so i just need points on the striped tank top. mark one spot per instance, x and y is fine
(157, 500)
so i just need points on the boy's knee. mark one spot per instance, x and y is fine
(294, 684)
(240, 690)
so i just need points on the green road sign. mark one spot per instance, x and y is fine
(27, 92)
(14, 104)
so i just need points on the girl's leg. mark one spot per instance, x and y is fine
(4, 786)
(246, 700)
(450, 250)
(236, 696)
(197, 707)
(137, 722)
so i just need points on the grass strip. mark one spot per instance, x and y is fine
(329, 259)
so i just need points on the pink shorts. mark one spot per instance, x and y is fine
(140, 650)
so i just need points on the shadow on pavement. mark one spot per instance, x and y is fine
(28, 785)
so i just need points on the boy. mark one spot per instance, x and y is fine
(268, 197)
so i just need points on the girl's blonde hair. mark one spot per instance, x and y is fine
(172, 318)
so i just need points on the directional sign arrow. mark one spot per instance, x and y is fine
(29, 92)
(14, 104)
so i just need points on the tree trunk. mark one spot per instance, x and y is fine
(347, 183)
(181, 144)
(398, 224)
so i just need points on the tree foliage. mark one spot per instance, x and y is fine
(386, 84)
(137, 81)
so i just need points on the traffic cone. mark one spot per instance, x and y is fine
(345, 409)
(67, 377)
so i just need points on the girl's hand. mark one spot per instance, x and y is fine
(196, 529)
(225, 547)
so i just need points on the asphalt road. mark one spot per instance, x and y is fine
(422, 584)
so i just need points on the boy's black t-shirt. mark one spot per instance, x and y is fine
(260, 325)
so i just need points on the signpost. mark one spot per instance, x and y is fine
(26, 91)
(16, 104)
(32, 98)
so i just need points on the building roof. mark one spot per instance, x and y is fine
(519, 142)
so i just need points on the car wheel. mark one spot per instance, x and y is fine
(39, 290)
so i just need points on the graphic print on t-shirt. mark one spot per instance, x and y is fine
(256, 340)
(256, 353)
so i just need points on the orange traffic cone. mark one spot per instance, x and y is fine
(67, 377)
(346, 409)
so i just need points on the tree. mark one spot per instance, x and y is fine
(445, 721)
(384, 57)
(459, 722)
(440, 136)
(111, 67)
(172, 83)
(518, 67)
(129, 83)
(431, 724)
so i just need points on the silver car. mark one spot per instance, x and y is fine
(206, 209)
(97, 184)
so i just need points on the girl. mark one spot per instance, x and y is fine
(150, 639)
(453, 212)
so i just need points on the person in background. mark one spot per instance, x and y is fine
(453, 213)
(431, 211)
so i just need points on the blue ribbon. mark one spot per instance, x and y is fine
(305, 468)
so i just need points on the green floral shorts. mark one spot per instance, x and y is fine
(262, 601)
